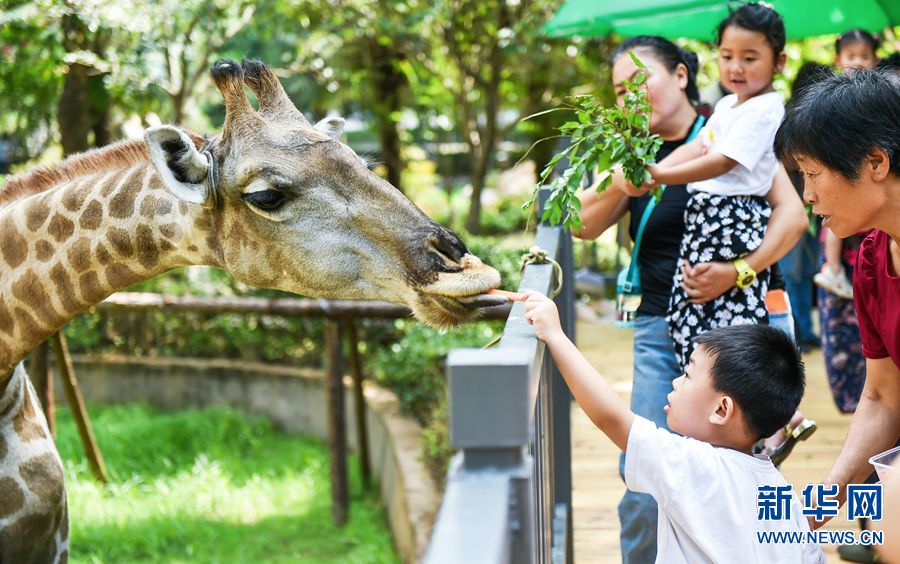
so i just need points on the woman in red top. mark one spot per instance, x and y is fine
(843, 133)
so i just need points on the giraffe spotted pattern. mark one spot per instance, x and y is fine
(34, 526)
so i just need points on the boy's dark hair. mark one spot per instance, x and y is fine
(669, 54)
(838, 121)
(809, 73)
(757, 17)
(856, 36)
(891, 63)
(760, 367)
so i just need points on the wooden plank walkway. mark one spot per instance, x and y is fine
(597, 487)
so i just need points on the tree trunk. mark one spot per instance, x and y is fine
(389, 139)
(100, 105)
(84, 102)
(74, 116)
(479, 172)
(388, 86)
(488, 146)
(177, 108)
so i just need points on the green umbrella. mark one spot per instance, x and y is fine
(698, 19)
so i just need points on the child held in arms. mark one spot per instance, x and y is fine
(729, 169)
(742, 383)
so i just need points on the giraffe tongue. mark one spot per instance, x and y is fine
(482, 300)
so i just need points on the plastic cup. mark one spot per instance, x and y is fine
(883, 461)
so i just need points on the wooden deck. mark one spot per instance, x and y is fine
(597, 487)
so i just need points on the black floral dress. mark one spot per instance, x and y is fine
(718, 228)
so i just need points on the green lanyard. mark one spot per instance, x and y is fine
(632, 283)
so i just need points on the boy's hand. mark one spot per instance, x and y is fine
(541, 312)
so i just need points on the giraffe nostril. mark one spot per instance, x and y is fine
(445, 248)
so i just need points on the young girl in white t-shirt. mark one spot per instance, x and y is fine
(729, 169)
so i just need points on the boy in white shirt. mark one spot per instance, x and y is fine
(742, 384)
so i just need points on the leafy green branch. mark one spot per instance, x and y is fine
(601, 139)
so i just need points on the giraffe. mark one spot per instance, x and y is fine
(274, 200)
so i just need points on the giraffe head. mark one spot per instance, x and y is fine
(284, 204)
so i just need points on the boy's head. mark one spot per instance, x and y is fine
(743, 383)
(842, 132)
(891, 63)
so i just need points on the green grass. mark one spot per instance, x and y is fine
(210, 486)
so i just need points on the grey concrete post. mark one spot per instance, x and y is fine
(490, 512)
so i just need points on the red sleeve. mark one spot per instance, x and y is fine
(865, 297)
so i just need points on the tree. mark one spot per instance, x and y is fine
(84, 101)
(107, 53)
(492, 58)
(182, 39)
(30, 81)
(358, 49)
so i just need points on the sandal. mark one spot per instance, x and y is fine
(801, 432)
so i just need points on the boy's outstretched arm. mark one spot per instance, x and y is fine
(591, 390)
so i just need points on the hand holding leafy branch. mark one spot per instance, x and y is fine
(602, 139)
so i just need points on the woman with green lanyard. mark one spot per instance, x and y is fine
(673, 92)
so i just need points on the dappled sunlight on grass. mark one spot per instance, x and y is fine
(211, 486)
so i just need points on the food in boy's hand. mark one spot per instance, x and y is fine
(511, 296)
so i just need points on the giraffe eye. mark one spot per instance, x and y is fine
(267, 200)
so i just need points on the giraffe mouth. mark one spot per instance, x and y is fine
(466, 305)
(449, 311)
(481, 301)
(457, 296)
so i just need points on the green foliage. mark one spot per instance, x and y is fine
(601, 138)
(211, 486)
(413, 367)
(505, 216)
(28, 97)
(436, 442)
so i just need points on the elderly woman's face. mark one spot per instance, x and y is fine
(666, 89)
(845, 207)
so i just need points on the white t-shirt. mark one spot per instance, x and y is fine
(746, 134)
(707, 498)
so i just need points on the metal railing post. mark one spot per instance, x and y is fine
(508, 494)
(561, 397)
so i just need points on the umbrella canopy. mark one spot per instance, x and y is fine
(698, 19)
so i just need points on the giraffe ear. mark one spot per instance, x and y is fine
(331, 126)
(180, 165)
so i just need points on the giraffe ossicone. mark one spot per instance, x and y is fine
(274, 200)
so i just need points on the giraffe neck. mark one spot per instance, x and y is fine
(71, 246)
